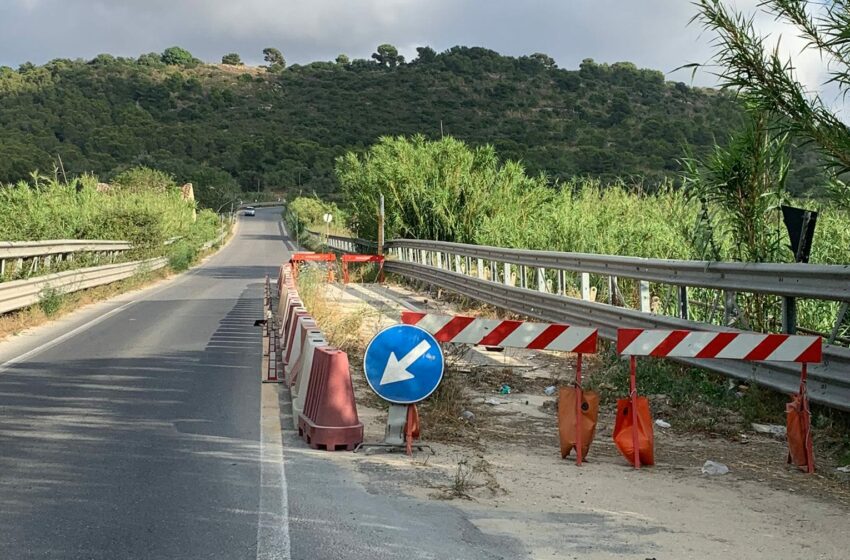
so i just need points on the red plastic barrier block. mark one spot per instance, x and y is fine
(292, 313)
(292, 335)
(329, 419)
(305, 328)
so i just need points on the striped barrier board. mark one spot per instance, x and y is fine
(508, 334)
(744, 346)
(719, 345)
(312, 257)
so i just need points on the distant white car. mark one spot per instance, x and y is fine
(249, 211)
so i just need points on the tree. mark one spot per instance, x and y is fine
(544, 59)
(177, 56)
(150, 59)
(275, 59)
(426, 55)
(232, 59)
(343, 60)
(388, 56)
(768, 83)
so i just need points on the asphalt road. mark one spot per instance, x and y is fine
(133, 430)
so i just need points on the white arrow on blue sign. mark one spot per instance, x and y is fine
(403, 364)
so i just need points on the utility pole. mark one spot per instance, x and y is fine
(381, 227)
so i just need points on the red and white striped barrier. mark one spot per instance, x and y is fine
(745, 346)
(719, 345)
(513, 334)
(508, 334)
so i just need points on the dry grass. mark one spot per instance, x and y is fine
(469, 476)
(342, 329)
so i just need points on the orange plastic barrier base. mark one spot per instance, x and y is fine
(411, 428)
(567, 419)
(623, 434)
(798, 422)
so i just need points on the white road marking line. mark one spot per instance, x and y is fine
(60, 339)
(273, 520)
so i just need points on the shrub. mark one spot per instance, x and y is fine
(50, 300)
(181, 256)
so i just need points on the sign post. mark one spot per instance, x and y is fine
(381, 227)
(403, 365)
(328, 218)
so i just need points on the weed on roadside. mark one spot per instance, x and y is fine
(50, 300)
(181, 256)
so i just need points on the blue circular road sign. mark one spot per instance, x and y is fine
(403, 364)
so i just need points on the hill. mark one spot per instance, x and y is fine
(222, 125)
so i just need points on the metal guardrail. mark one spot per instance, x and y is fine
(29, 249)
(18, 294)
(212, 242)
(260, 205)
(61, 249)
(344, 244)
(823, 282)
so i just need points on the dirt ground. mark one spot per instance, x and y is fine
(504, 469)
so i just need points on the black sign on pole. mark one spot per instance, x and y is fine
(801, 231)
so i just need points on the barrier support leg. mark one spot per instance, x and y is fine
(344, 272)
(381, 272)
(408, 429)
(806, 418)
(579, 399)
(633, 397)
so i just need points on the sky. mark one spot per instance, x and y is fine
(651, 33)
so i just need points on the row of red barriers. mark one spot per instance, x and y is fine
(324, 410)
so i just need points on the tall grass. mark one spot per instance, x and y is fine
(46, 208)
(142, 206)
(444, 190)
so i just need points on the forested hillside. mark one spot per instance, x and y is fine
(226, 125)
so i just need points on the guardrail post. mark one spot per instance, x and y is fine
(839, 319)
(789, 315)
(683, 302)
(522, 276)
(2, 267)
(729, 308)
(541, 280)
(439, 260)
(585, 286)
(481, 269)
(612, 290)
(423, 256)
(507, 271)
(494, 272)
(645, 299)
(458, 267)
